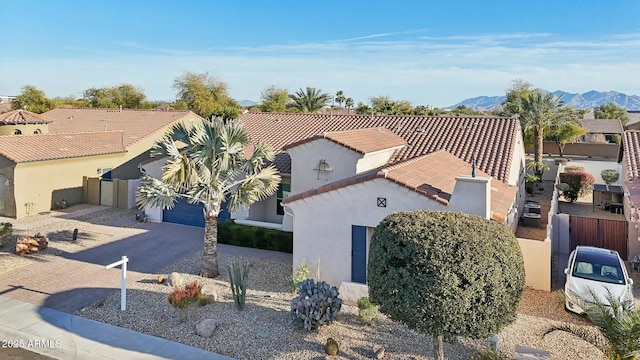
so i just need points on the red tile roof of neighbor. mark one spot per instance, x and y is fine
(362, 141)
(26, 148)
(631, 148)
(432, 175)
(491, 139)
(23, 117)
(135, 124)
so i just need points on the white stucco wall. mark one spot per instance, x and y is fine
(154, 168)
(472, 195)
(322, 223)
(305, 158)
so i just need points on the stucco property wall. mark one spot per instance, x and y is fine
(305, 158)
(38, 185)
(322, 228)
(537, 263)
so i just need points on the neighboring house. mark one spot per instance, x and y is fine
(44, 158)
(601, 130)
(630, 179)
(634, 120)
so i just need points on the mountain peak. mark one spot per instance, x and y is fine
(588, 100)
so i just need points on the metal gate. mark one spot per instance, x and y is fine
(602, 233)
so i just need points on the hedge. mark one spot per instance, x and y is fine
(254, 237)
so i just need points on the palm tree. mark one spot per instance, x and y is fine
(619, 337)
(348, 103)
(539, 112)
(340, 98)
(310, 100)
(213, 168)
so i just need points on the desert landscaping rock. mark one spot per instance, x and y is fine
(378, 352)
(175, 280)
(210, 293)
(206, 327)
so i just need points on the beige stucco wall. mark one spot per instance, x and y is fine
(322, 223)
(537, 263)
(373, 160)
(39, 184)
(305, 158)
(24, 128)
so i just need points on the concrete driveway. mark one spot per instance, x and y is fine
(69, 281)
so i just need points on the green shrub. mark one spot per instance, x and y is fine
(609, 176)
(317, 304)
(254, 237)
(580, 184)
(301, 275)
(238, 276)
(447, 274)
(364, 303)
(367, 312)
(486, 354)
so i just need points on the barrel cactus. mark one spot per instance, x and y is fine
(331, 347)
(316, 304)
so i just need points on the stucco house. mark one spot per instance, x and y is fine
(342, 174)
(44, 158)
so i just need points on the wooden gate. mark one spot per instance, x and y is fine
(602, 233)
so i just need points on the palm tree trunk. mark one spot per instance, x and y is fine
(438, 347)
(209, 264)
(537, 157)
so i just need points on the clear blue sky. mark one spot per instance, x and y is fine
(428, 52)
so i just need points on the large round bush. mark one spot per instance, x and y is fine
(446, 273)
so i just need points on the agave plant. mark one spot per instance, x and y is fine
(619, 336)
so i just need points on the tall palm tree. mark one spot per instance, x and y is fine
(309, 100)
(340, 98)
(539, 112)
(619, 337)
(212, 168)
(348, 103)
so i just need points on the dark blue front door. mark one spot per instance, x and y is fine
(359, 254)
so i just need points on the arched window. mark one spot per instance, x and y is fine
(37, 131)
(17, 132)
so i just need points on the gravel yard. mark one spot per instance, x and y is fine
(265, 329)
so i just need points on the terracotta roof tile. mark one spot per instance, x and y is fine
(631, 148)
(26, 148)
(432, 175)
(23, 117)
(362, 141)
(491, 139)
(135, 124)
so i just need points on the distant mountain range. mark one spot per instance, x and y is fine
(589, 100)
(247, 103)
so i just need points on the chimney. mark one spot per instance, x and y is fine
(472, 195)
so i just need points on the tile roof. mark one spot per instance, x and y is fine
(134, 124)
(631, 148)
(602, 126)
(23, 117)
(491, 139)
(26, 148)
(432, 175)
(363, 141)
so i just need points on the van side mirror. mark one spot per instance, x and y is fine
(630, 281)
(566, 271)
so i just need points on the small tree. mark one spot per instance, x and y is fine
(580, 183)
(609, 176)
(447, 274)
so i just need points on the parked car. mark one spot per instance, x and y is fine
(596, 272)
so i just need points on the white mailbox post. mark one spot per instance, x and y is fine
(123, 291)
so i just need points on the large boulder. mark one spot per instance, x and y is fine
(176, 280)
(210, 293)
(206, 327)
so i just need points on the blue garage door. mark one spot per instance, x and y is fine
(190, 214)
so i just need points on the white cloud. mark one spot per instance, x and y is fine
(437, 71)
